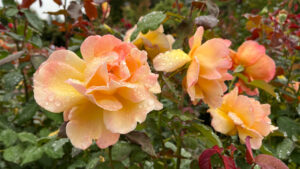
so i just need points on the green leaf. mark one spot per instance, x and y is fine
(11, 80)
(285, 148)
(289, 126)
(37, 60)
(54, 149)
(207, 133)
(15, 36)
(239, 69)
(32, 153)
(36, 41)
(27, 137)
(13, 154)
(8, 137)
(77, 164)
(257, 83)
(7, 3)
(121, 151)
(27, 112)
(295, 156)
(264, 86)
(11, 12)
(34, 20)
(92, 163)
(151, 21)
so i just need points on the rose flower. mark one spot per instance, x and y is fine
(243, 115)
(207, 71)
(154, 42)
(257, 65)
(102, 95)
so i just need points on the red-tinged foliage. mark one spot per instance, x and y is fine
(249, 154)
(204, 158)
(27, 3)
(58, 2)
(179, 4)
(199, 5)
(90, 9)
(232, 150)
(269, 162)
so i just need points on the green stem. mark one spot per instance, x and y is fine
(110, 156)
(231, 83)
(178, 152)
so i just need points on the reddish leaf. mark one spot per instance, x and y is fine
(249, 154)
(204, 158)
(179, 4)
(228, 162)
(59, 12)
(58, 2)
(199, 5)
(27, 3)
(232, 149)
(269, 162)
(90, 9)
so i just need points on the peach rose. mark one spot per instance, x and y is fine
(102, 95)
(208, 69)
(154, 42)
(243, 115)
(257, 65)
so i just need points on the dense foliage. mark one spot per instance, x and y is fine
(178, 136)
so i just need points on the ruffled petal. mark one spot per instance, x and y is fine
(256, 138)
(96, 46)
(107, 138)
(107, 102)
(212, 92)
(125, 120)
(221, 122)
(51, 91)
(193, 72)
(213, 55)
(171, 60)
(85, 126)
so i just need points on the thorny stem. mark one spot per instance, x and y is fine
(110, 157)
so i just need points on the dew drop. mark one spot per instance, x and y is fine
(51, 98)
(57, 104)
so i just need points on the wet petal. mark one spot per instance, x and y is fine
(256, 138)
(96, 46)
(85, 126)
(171, 60)
(50, 88)
(125, 120)
(221, 122)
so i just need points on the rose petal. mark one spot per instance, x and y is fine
(249, 52)
(263, 69)
(96, 46)
(85, 126)
(256, 138)
(171, 60)
(50, 88)
(125, 120)
(221, 122)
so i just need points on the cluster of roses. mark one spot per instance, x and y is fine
(112, 88)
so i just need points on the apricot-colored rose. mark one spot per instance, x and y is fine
(154, 42)
(243, 115)
(102, 95)
(208, 69)
(257, 65)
